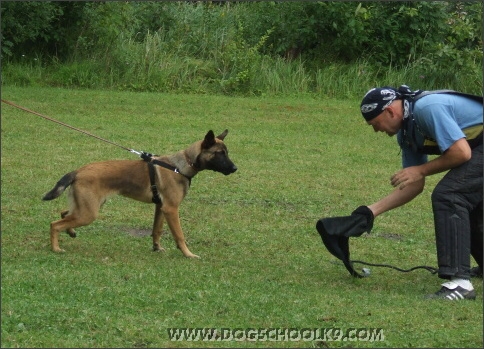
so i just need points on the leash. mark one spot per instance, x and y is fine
(144, 155)
(71, 127)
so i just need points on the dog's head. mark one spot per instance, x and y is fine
(214, 154)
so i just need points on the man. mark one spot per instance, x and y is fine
(449, 125)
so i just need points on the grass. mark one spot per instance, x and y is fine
(262, 264)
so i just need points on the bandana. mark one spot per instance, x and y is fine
(376, 100)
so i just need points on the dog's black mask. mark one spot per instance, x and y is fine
(215, 155)
(220, 162)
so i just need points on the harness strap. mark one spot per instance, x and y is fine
(152, 171)
(154, 189)
(165, 165)
(169, 167)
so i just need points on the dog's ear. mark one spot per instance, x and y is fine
(209, 140)
(222, 135)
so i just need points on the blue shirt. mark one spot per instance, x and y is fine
(441, 117)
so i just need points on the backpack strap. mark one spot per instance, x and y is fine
(473, 134)
(476, 98)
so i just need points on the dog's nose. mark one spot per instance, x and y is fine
(230, 170)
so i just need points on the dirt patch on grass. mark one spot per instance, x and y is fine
(390, 236)
(138, 232)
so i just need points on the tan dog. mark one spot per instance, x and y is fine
(92, 184)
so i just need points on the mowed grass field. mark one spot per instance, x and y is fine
(263, 265)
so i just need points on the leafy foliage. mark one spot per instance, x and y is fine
(211, 46)
(39, 27)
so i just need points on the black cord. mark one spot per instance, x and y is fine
(430, 269)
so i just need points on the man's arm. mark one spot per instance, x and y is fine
(456, 155)
(398, 197)
(409, 182)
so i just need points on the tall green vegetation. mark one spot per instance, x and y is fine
(331, 48)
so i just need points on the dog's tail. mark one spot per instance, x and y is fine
(61, 185)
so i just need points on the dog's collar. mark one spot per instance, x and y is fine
(190, 163)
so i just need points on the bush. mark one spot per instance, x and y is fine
(246, 48)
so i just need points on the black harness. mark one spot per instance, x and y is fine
(430, 146)
(152, 171)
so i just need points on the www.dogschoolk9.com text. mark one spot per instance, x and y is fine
(276, 334)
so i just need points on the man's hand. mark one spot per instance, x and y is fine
(406, 176)
(456, 155)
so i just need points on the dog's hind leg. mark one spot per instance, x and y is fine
(157, 226)
(71, 231)
(173, 219)
(70, 221)
(83, 211)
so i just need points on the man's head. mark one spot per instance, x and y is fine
(382, 109)
(376, 100)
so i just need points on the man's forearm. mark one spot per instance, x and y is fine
(397, 198)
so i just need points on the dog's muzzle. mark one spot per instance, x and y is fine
(230, 170)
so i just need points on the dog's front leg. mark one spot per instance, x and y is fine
(173, 220)
(157, 226)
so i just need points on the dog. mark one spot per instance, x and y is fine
(161, 179)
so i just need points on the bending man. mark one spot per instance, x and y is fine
(450, 125)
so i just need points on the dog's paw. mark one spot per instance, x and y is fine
(191, 255)
(158, 248)
(59, 250)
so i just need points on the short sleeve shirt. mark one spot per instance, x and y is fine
(441, 117)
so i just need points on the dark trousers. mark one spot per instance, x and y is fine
(458, 212)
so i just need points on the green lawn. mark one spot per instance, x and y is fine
(263, 265)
